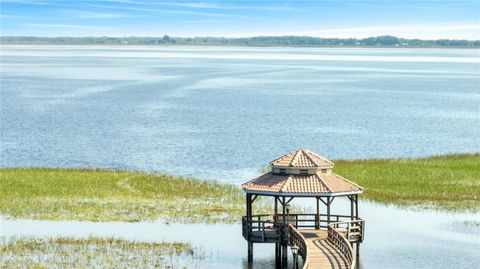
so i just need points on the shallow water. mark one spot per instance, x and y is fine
(395, 238)
(221, 113)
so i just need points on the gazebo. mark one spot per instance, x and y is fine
(302, 173)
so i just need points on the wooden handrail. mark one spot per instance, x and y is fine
(353, 233)
(297, 239)
(340, 233)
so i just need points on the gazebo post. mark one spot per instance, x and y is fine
(275, 216)
(317, 217)
(328, 210)
(352, 200)
(277, 245)
(285, 228)
(249, 218)
(356, 206)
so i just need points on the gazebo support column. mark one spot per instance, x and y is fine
(284, 235)
(250, 251)
(277, 245)
(356, 206)
(317, 217)
(328, 210)
(276, 209)
(357, 253)
(277, 256)
(352, 201)
(249, 217)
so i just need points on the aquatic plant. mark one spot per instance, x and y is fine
(112, 195)
(450, 182)
(93, 252)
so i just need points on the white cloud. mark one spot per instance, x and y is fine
(98, 15)
(210, 5)
(26, 2)
(66, 26)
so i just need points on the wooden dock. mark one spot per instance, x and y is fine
(331, 245)
(321, 253)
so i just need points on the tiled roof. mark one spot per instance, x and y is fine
(301, 184)
(302, 158)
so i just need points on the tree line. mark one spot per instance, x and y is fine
(379, 41)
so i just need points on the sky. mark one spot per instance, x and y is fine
(428, 19)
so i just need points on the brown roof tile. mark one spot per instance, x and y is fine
(302, 158)
(301, 184)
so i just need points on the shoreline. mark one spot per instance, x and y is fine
(237, 46)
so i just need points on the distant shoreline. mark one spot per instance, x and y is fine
(236, 46)
(385, 41)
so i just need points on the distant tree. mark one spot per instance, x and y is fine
(253, 41)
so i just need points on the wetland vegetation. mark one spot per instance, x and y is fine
(444, 182)
(93, 252)
(450, 182)
(107, 195)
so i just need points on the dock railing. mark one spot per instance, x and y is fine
(260, 224)
(343, 234)
(297, 239)
(342, 231)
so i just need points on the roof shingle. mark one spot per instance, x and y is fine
(301, 184)
(302, 158)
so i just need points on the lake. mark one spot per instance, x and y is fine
(223, 113)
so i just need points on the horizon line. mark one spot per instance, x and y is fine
(224, 37)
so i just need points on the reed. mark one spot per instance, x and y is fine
(93, 252)
(110, 195)
(450, 182)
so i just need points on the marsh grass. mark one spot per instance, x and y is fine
(107, 195)
(444, 182)
(93, 252)
(450, 182)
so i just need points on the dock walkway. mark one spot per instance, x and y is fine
(321, 244)
(321, 253)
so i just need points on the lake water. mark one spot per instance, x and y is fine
(395, 238)
(222, 113)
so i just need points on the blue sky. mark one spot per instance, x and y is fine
(427, 19)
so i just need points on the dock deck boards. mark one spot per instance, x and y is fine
(320, 252)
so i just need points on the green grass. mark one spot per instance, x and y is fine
(92, 252)
(445, 182)
(450, 182)
(104, 195)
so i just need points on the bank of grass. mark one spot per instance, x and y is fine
(106, 195)
(445, 182)
(450, 182)
(92, 252)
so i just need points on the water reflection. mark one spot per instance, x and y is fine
(395, 238)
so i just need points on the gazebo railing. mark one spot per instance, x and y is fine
(260, 225)
(342, 234)
(313, 221)
(352, 230)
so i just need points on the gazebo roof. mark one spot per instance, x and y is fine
(294, 183)
(302, 158)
